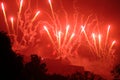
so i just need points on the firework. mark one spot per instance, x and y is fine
(12, 23)
(4, 13)
(66, 36)
(102, 47)
(24, 30)
(99, 47)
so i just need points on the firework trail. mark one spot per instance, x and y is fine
(4, 13)
(102, 45)
(66, 35)
(24, 30)
(64, 39)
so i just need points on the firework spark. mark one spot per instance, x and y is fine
(12, 23)
(38, 12)
(20, 8)
(5, 17)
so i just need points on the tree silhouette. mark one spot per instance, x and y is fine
(20, 67)
(35, 70)
(58, 77)
(12, 68)
(77, 76)
(116, 72)
(9, 62)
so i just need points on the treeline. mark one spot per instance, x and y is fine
(12, 66)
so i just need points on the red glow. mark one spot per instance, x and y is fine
(60, 37)
(67, 32)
